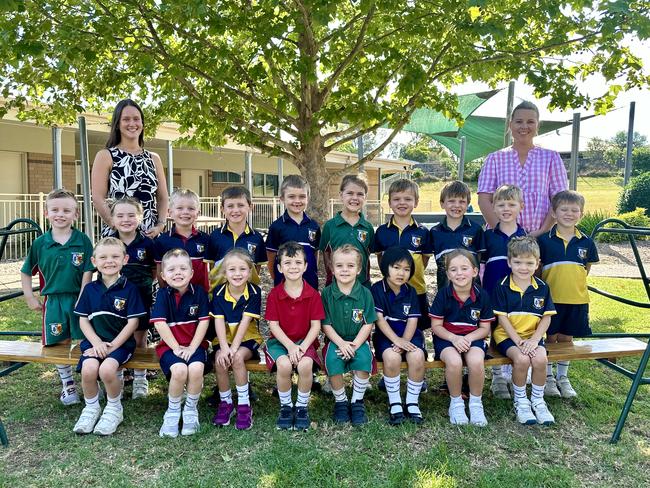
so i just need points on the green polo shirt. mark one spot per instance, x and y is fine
(348, 313)
(337, 232)
(61, 265)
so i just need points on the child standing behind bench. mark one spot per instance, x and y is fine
(567, 255)
(109, 311)
(62, 258)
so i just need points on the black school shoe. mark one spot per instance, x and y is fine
(358, 414)
(341, 412)
(416, 418)
(396, 418)
(285, 419)
(301, 419)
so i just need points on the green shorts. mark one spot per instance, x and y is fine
(273, 349)
(59, 320)
(363, 360)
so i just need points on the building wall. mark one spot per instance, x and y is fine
(40, 173)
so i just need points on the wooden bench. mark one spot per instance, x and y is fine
(605, 350)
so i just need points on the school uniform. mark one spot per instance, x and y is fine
(195, 245)
(139, 270)
(495, 256)
(223, 239)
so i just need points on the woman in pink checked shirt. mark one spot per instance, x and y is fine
(539, 172)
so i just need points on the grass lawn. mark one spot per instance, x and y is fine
(43, 450)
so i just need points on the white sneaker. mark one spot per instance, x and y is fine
(69, 395)
(477, 415)
(170, 424)
(87, 420)
(140, 388)
(110, 419)
(524, 413)
(550, 388)
(499, 388)
(457, 415)
(544, 417)
(190, 422)
(565, 388)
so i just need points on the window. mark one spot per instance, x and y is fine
(265, 185)
(225, 177)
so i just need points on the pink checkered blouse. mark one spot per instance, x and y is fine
(541, 177)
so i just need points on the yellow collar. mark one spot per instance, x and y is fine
(229, 298)
(515, 287)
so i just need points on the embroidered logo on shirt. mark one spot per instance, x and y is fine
(77, 258)
(362, 235)
(582, 252)
(538, 302)
(200, 248)
(407, 309)
(475, 313)
(467, 241)
(56, 329)
(251, 248)
(119, 303)
(357, 315)
(312, 235)
(194, 310)
(416, 241)
(142, 254)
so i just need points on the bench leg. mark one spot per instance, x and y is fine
(3, 435)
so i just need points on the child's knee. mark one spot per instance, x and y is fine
(179, 372)
(195, 370)
(539, 360)
(305, 366)
(239, 360)
(283, 366)
(391, 359)
(452, 361)
(415, 358)
(108, 368)
(364, 375)
(90, 369)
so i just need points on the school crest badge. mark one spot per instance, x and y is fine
(200, 248)
(77, 258)
(362, 235)
(416, 241)
(119, 303)
(407, 309)
(56, 329)
(251, 248)
(582, 252)
(194, 310)
(538, 302)
(142, 254)
(357, 315)
(475, 313)
(467, 241)
(312, 235)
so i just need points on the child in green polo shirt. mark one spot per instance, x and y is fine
(349, 226)
(61, 257)
(349, 317)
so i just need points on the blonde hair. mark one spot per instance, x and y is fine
(184, 193)
(235, 252)
(127, 201)
(109, 241)
(61, 193)
(460, 252)
(508, 192)
(358, 179)
(402, 185)
(175, 253)
(523, 246)
(348, 249)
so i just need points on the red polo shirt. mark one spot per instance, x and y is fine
(294, 314)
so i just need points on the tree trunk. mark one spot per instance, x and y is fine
(312, 167)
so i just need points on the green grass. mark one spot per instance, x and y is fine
(43, 450)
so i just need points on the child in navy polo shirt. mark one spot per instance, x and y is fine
(567, 255)
(294, 312)
(236, 205)
(294, 225)
(455, 231)
(397, 337)
(184, 209)
(109, 311)
(236, 307)
(126, 214)
(460, 320)
(523, 306)
(181, 317)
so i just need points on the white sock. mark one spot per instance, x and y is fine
(139, 374)
(340, 395)
(65, 373)
(92, 402)
(114, 402)
(392, 389)
(453, 400)
(537, 393)
(226, 396)
(120, 376)
(475, 400)
(303, 399)
(285, 397)
(562, 369)
(413, 389)
(174, 405)
(519, 392)
(549, 370)
(192, 401)
(242, 395)
(496, 371)
(359, 386)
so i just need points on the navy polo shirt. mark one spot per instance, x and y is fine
(223, 240)
(141, 264)
(306, 233)
(396, 309)
(224, 306)
(181, 313)
(495, 256)
(196, 246)
(458, 316)
(468, 235)
(109, 309)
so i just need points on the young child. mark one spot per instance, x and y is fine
(508, 201)
(349, 317)
(567, 255)
(184, 209)
(181, 316)
(294, 225)
(523, 306)
(455, 231)
(62, 258)
(349, 226)
(236, 205)
(236, 309)
(460, 320)
(397, 337)
(109, 311)
(402, 230)
(294, 312)
(139, 269)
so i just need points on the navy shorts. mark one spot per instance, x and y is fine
(571, 320)
(168, 359)
(506, 344)
(122, 354)
(251, 345)
(440, 344)
(380, 343)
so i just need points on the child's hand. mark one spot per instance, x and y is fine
(295, 354)
(223, 357)
(461, 344)
(528, 347)
(233, 351)
(34, 303)
(405, 345)
(348, 350)
(101, 349)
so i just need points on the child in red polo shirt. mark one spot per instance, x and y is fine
(294, 311)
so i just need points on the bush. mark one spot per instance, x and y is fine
(590, 219)
(640, 160)
(635, 195)
(637, 218)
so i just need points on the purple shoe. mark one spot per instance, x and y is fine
(244, 417)
(224, 413)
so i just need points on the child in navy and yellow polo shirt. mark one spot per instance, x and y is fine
(567, 255)
(294, 225)
(181, 317)
(402, 230)
(455, 231)
(349, 317)
(62, 259)
(523, 306)
(126, 214)
(236, 204)
(109, 310)
(460, 320)
(184, 209)
(236, 306)
(349, 226)
(397, 337)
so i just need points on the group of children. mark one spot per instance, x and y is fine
(215, 277)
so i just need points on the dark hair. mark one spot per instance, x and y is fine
(290, 249)
(568, 196)
(402, 185)
(358, 179)
(116, 137)
(525, 105)
(458, 189)
(236, 191)
(394, 255)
